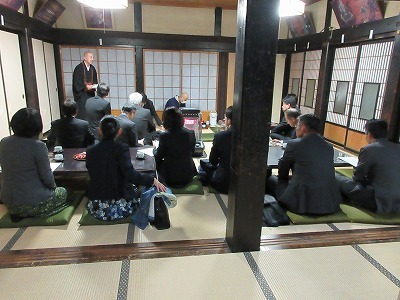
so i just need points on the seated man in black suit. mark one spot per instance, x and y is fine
(70, 132)
(216, 170)
(129, 133)
(375, 185)
(291, 116)
(148, 104)
(283, 128)
(312, 188)
(97, 107)
(143, 119)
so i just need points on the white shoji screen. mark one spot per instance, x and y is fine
(344, 68)
(115, 66)
(162, 76)
(168, 73)
(373, 68)
(311, 71)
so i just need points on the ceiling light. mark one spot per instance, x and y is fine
(105, 4)
(291, 8)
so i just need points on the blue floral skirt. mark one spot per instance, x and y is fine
(109, 210)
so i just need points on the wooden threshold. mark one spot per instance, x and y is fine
(118, 252)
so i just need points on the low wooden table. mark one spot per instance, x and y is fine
(71, 166)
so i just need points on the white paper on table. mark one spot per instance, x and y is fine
(147, 151)
(352, 160)
(54, 166)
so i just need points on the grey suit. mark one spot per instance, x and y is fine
(129, 133)
(312, 188)
(144, 121)
(27, 177)
(378, 170)
(96, 109)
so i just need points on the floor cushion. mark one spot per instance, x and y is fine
(338, 217)
(207, 137)
(348, 172)
(61, 218)
(193, 187)
(360, 215)
(88, 219)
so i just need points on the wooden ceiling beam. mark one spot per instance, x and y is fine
(225, 4)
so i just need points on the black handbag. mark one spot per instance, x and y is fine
(161, 216)
(274, 215)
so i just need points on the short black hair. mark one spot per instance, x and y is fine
(27, 122)
(103, 90)
(229, 113)
(128, 109)
(290, 99)
(292, 113)
(311, 122)
(172, 118)
(377, 128)
(69, 108)
(109, 126)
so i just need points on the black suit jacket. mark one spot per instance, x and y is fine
(378, 166)
(150, 106)
(129, 134)
(96, 109)
(111, 172)
(174, 156)
(220, 156)
(312, 188)
(70, 133)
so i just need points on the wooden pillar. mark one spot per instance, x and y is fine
(324, 84)
(256, 48)
(222, 84)
(286, 75)
(139, 70)
(60, 84)
(137, 6)
(391, 103)
(218, 21)
(28, 69)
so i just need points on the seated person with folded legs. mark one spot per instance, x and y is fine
(112, 177)
(216, 170)
(174, 153)
(70, 132)
(143, 118)
(312, 188)
(283, 128)
(28, 188)
(375, 184)
(129, 134)
(291, 116)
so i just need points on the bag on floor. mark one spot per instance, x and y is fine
(274, 215)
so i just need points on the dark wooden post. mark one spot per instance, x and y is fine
(139, 70)
(391, 103)
(59, 74)
(137, 6)
(286, 75)
(222, 84)
(28, 69)
(218, 21)
(256, 48)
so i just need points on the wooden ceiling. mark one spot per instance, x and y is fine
(225, 4)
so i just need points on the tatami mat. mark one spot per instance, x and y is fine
(323, 273)
(71, 234)
(351, 226)
(194, 217)
(85, 281)
(294, 229)
(202, 277)
(5, 235)
(388, 255)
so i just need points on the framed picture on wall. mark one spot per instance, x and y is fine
(301, 25)
(97, 18)
(49, 12)
(351, 12)
(13, 4)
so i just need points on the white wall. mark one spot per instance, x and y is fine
(278, 83)
(318, 11)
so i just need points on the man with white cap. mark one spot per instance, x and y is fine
(143, 118)
(177, 101)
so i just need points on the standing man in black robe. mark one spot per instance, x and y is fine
(84, 83)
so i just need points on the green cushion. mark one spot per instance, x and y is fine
(345, 172)
(61, 218)
(338, 217)
(360, 215)
(207, 137)
(87, 219)
(193, 187)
